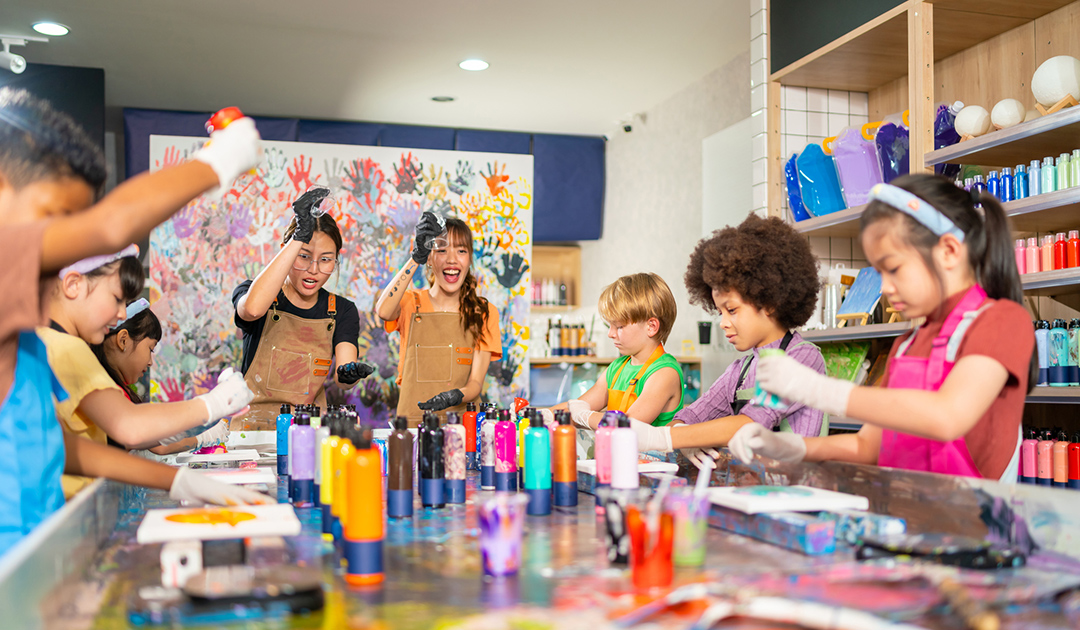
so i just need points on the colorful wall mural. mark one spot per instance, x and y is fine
(198, 257)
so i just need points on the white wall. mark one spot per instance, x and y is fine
(653, 198)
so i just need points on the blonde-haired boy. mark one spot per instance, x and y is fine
(645, 382)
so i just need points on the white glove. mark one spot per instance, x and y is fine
(650, 438)
(230, 396)
(192, 486)
(700, 456)
(580, 412)
(754, 439)
(232, 151)
(218, 434)
(549, 418)
(789, 379)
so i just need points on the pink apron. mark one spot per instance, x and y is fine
(900, 450)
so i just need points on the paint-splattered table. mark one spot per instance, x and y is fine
(82, 574)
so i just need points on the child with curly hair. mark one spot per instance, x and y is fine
(762, 279)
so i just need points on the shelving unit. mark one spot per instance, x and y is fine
(1058, 282)
(844, 224)
(1055, 395)
(853, 333)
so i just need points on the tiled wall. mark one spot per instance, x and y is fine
(759, 80)
(812, 114)
(838, 250)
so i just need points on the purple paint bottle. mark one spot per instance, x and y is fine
(302, 460)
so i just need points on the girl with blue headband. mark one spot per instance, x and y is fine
(956, 384)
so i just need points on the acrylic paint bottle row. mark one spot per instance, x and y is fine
(1048, 252)
(1057, 346)
(1048, 458)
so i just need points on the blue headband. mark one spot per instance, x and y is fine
(133, 309)
(916, 208)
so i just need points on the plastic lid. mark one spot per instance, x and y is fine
(1048, 240)
(613, 417)
(1032, 242)
(1060, 236)
(1048, 161)
(453, 417)
(1019, 242)
(1074, 234)
(1074, 323)
(1034, 164)
(503, 415)
(1020, 168)
(360, 437)
(536, 421)
(1006, 171)
(624, 422)
(302, 419)
(470, 406)
(993, 174)
(1064, 156)
(978, 179)
(1059, 323)
(285, 408)
(316, 411)
(431, 419)
(401, 423)
(1042, 324)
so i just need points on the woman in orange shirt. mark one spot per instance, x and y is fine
(449, 334)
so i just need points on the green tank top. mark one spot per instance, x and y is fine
(665, 361)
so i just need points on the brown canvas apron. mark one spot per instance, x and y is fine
(290, 365)
(437, 357)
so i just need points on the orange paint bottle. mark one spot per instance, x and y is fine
(364, 521)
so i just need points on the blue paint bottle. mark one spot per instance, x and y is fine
(993, 184)
(1008, 186)
(1074, 353)
(1042, 349)
(1020, 188)
(284, 421)
(1034, 179)
(1058, 359)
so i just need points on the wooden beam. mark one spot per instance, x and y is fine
(920, 83)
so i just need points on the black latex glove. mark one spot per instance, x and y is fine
(305, 222)
(351, 372)
(427, 229)
(438, 402)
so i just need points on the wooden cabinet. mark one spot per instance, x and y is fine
(561, 264)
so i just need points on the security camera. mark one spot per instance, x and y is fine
(627, 127)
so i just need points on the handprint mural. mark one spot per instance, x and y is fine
(213, 244)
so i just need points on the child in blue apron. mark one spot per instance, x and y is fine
(50, 176)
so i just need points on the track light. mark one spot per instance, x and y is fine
(16, 63)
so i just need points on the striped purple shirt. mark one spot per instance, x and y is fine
(716, 403)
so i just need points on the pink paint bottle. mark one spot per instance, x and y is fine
(1045, 466)
(1032, 255)
(506, 472)
(1020, 256)
(602, 449)
(1029, 457)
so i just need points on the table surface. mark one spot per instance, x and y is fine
(434, 578)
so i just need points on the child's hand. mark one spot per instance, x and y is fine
(189, 485)
(218, 434)
(229, 396)
(754, 439)
(580, 412)
(789, 379)
(232, 151)
(650, 438)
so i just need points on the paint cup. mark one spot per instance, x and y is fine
(691, 521)
(615, 504)
(501, 522)
(704, 333)
(651, 538)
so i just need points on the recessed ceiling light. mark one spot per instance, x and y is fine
(51, 28)
(442, 99)
(474, 65)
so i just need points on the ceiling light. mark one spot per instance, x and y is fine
(473, 65)
(15, 63)
(51, 28)
(442, 99)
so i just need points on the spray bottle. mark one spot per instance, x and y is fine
(454, 441)
(505, 453)
(432, 471)
(284, 421)
(564, 460)
(302, 460)
(364, 522)
(399, 482)
(538, 476)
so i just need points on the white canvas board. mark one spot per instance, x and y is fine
(270, 520)
(239, 476)
(239, 455)
(588, 466)
(768, 499)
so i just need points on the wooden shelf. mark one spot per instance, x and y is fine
(1053, 212)
(597, 360)
(1055, 395)
(1059, 282)
(1045, 136)
(844, 223)
(553, 309)
(854, 333)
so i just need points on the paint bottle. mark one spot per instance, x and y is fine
(316, 417)
(505, 453)
(968, 183)
(602, 448)
(1074, 462)
(454, 458)
(1072, 250)
(432, 473)
(538, 475)
(1045, 466)
(1063, 172)
(1033, 256)
(284, 421)
(302, 460)
(399, 480)
(1061, 461)
(1058, 375)
(564, 460)
(1008, 185)
(978, 184)
(1042, 349)
(1020, 185)
(472, 434)
(327, 437)
(1029, 458)
(624, 455)
(993, 184)
(338, 456)
(487, 449)
(1047, 249)
(523, 416)
(1074, 168)
(1074, 352)
(363, 533)
(1049, 175)
(1020, 256)
(1034, 178)
(1059, 250)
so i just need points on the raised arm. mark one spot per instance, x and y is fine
(264, 289)
(388, 307)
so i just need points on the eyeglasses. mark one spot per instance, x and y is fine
(304, 261)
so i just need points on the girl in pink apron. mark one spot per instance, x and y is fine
(956, 384)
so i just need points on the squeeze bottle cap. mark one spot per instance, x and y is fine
(1060, 236)
(401, 423)
(285, 409)
(303, 419)
(470, 406)
(1006, 171)
(562, 416)
(1074, 323)
(1059, 323)
(1074, 234)
(1042, 324)
(624, 422)
(453, 417)
(536, 422)
(431, 419)
(1019, 242)
(1032, 242)
(361, 438)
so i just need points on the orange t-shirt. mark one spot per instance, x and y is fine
(416, 300)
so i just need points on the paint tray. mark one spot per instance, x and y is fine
(239, 476)
(239, 455)
(215, 523)
(767, 499)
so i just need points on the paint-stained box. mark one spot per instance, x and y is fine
(853, 525)
(806, 533)
(586, 482)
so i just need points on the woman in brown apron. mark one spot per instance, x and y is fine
(293, 328)
(449, 334)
